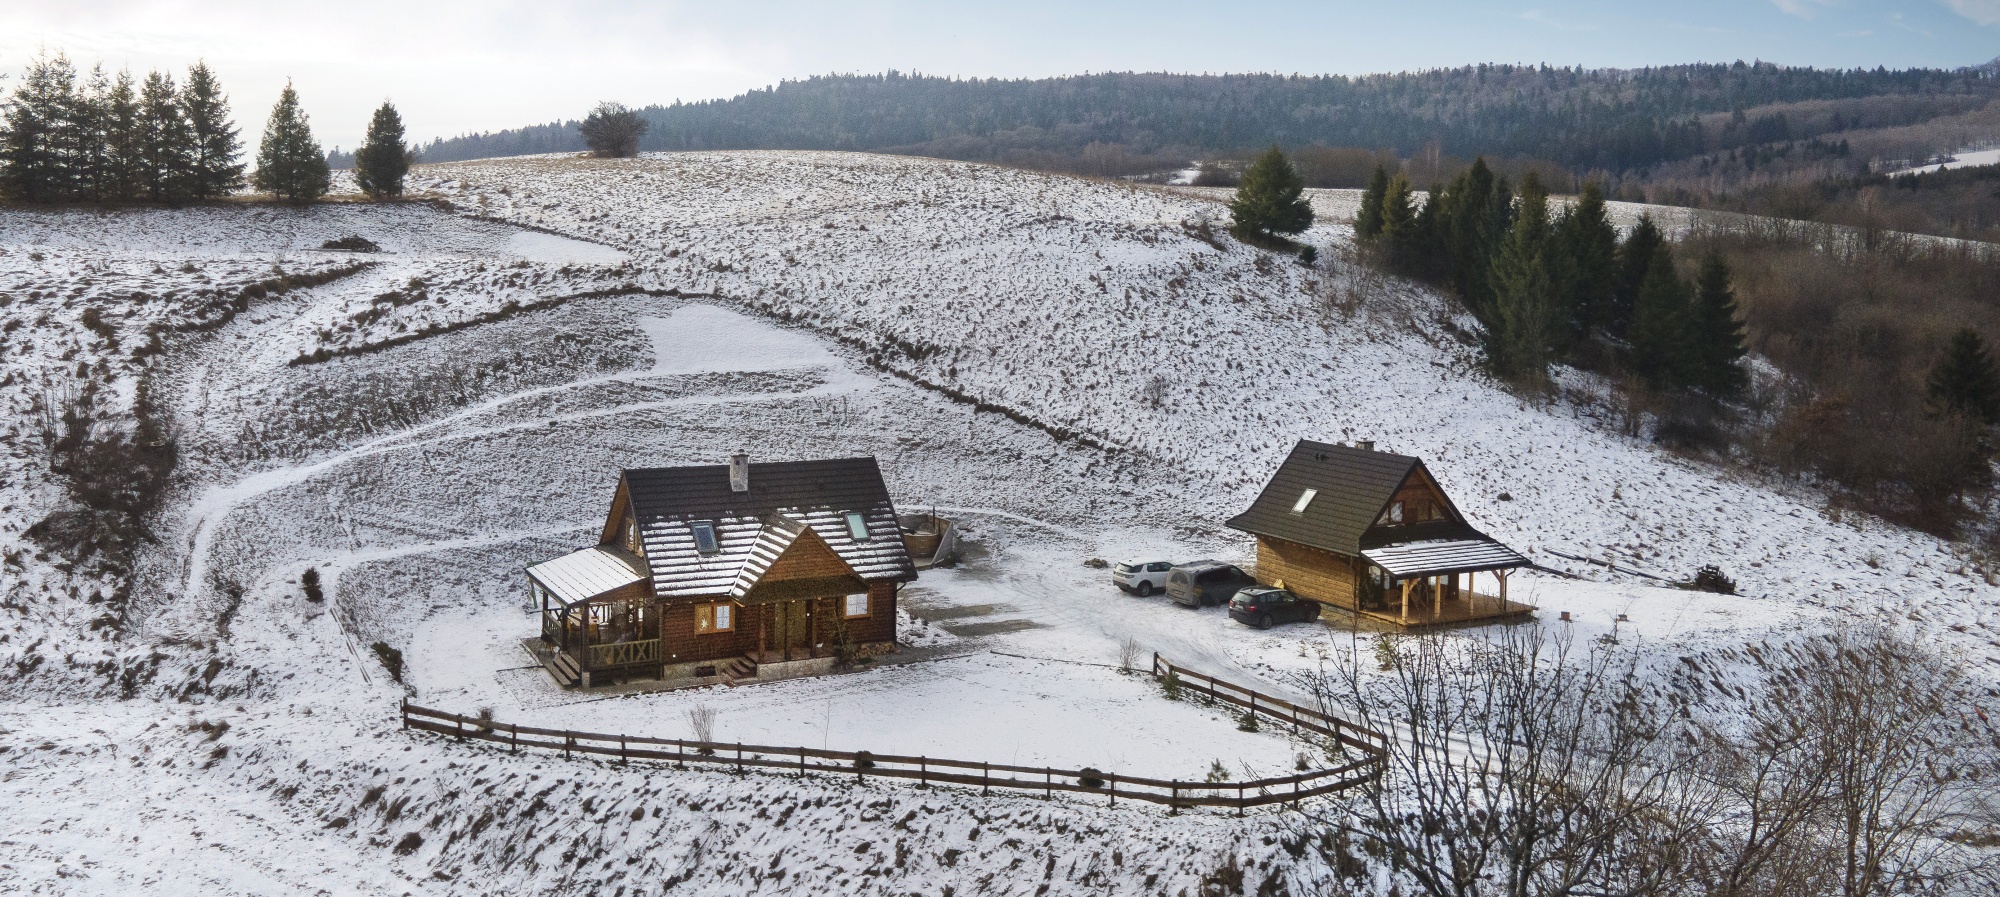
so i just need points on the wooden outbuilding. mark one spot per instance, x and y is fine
(727, 573)
(1374, 533)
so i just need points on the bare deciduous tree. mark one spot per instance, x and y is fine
(612, 131)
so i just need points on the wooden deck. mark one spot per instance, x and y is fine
(1455, 610)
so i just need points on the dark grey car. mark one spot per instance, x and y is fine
(1202, 583)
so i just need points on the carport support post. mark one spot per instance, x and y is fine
(1406, 601)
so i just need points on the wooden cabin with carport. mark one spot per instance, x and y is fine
(727, 573)
(1374, 533)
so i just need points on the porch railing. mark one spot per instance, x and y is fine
(622, 653)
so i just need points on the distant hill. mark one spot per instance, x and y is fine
(1607, 120)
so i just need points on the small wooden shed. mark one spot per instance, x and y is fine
(1374, 533)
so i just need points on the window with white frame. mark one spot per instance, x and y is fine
(857, 605)
(1305, 500)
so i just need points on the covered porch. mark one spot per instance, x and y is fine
(1443, 582)
(597, 616)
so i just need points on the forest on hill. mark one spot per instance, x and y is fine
(1611, 121)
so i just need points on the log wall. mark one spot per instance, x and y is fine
(1308, 572)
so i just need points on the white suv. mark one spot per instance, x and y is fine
(1142, 577)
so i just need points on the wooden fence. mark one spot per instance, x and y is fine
(986, 776)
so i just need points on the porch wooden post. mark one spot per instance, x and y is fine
(1502, 576)
(1406, 601)
(1437, 597)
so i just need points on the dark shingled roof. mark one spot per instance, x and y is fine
(783, 496)
(1354, 485)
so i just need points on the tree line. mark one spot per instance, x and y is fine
(108, 139)
(1586, 119)
(1561, 287)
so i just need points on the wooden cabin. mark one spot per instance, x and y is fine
(1374, 533)
(727, 573)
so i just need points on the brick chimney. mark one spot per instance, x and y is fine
(739, 472)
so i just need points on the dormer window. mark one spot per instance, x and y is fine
(632, 536)
(1305, 499)
(704, 536)
(857, 526)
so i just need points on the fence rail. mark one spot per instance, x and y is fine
(931, 770)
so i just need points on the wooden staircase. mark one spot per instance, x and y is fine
(564, 669)
(737, 671)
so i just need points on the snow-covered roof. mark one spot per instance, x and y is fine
(755, 526)
(583, 575)
(1436, 557)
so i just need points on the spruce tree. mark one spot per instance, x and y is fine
(124, 142)
(32, 165)
(1270, 200)
(1964, 381)
(382, 160)
(1399, 236)
(290, 164)
(1716, 336)
(1368, 219)
(1657, 340)
(1517, 340)
(86, 137)
(1588, 245)
(1476, 215)
(166, 158)
(218, 151)
(1635, 262)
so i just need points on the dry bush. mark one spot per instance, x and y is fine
(701, 721)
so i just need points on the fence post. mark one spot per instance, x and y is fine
(739, 758)
(985, 778)
(514, 746)
(1239, 800)
(680, 754)
(1111, 781)
(406, 713)
(923, 772)
(569, 738)
(802, 763)
(1253, 708)
(1048, 783)
(624, 758)
(458, 722)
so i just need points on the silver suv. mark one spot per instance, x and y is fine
(1142, 578)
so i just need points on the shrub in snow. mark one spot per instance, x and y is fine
(1710, 578)
(1091, 777)
(1170, 687)
(309, 581)
(392, 660)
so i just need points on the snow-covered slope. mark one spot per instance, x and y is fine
(1072, 369)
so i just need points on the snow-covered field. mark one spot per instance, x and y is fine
(666, 310)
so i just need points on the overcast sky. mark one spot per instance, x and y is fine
(453, 66)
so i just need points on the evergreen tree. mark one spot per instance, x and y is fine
(382, 160)
(166, 160)
(1635, 262)
(290, 164)
(218, 153)
(124, 142)
(1588, 245)
(1657, 340)
(1523, 318)
(1426, 251)
(1270, 200)
(1716, 336)
(1476, 214)
(32, 165)
(1964, 381)
(86, 137)
(1368, 219)
(1398, 238)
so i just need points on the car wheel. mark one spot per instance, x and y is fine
(1264, 621)
(1145, 589)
